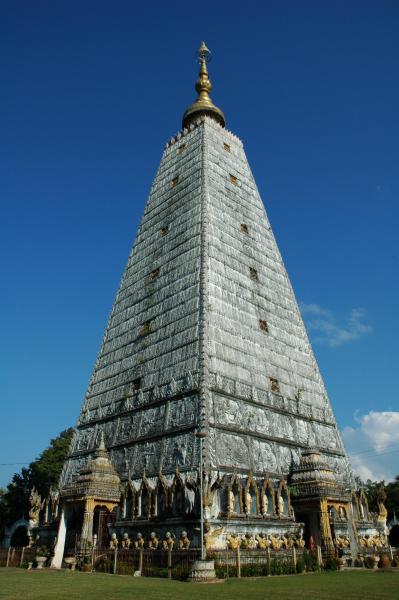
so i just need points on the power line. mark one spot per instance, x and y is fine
(16, 463)
(374, 451)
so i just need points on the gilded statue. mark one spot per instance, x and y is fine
(248, 502)
(275, 542)
(369, 542)
(153, 542)
(169, 541)
(233, 541)
(184, 542)
(210, 537)
(382, 511)
(342, 541)
(230, 501)
(287, 541)
(139, 543)
(299, 542)
(280, 505)
(36, 505)
(126, 541)
(263, 541)
(113, 543)
(265, 504)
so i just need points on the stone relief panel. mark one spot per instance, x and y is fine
(341, 467)
(233, 450)
(117, 458)
(147, 457)
(183, 412)
(127, 428)
(231, 412)
(264, 456)
(281, 426)
(153, 420)
(212, 445)
(84, 439)
(326, 437)
(109, 430)
(75, 465)
(228, 411)
(179, 451)
(284, 459)
(305, 433)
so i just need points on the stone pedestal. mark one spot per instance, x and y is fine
(202, 570)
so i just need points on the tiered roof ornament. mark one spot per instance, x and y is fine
(313, 476)
(203, 104)
(97, 480)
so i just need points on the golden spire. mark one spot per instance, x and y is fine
(203, 105)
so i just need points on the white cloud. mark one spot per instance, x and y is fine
(373, 446)
(323, 324)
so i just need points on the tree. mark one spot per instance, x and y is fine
(43, 474)
(392, 501)
(389, 493)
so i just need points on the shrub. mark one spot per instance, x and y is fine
(331, 564)
(300, 565)
(43, 551)
(369, 562)
(310, 561)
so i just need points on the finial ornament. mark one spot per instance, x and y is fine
(203, 105)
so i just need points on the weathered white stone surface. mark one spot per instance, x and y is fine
(204, 361)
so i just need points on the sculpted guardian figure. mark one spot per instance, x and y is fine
(126, 542)
(184, 542)
(153, 542)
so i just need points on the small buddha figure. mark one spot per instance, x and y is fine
(252, 543)
(113, 543)
(263, 543)
(184, 542)
(299, 542)
(248, 502)
(139, 543)
(368, 541)
(362, 542)
(168, 542)
(280, 505)
(126, 541)
(230, 499)
(288, 542)
(265, 504)
(153, 542)
(275, 542)
(233, 541)
(245, 541)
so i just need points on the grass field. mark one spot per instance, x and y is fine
(65, 585)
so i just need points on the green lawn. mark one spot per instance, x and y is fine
(60, 585)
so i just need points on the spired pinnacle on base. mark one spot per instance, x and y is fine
(203, 105)
(205, 335)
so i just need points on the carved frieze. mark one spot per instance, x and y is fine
(179, 451)
(183, 412)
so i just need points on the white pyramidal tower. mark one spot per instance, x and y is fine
(205, 335)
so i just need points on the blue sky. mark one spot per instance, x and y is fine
(90, 93)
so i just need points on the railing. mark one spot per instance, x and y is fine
(17, 557)
(174, 564)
